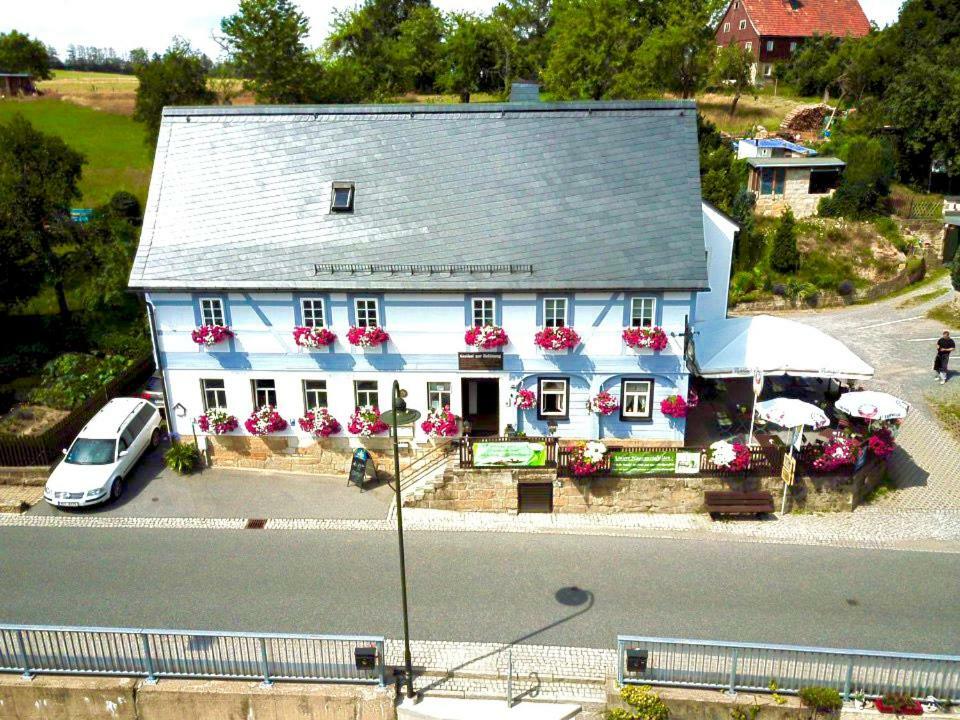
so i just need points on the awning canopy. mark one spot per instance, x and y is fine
(735, 347)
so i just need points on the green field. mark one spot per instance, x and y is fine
(117, 158)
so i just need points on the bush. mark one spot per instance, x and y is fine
(845, 288)
(821, 699)
(865, 184)
(182, 458)
(779, 289)
(644, 705)
(72, 378)
(916, 268)
(125, 205)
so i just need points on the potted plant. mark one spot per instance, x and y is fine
(182, 458)
(674, 406)
(881, 443)
(859, 699)
(440, 423)
(524, 399)
(366, 338)
(319, 423)
(556, 340)
(210, 335)
(645, 341)
(366, 422)
(603, 404)
(264, 421)
(486, 337)
(217, 422)
(312, 337)
(897, 703)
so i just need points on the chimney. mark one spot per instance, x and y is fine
(524, 92)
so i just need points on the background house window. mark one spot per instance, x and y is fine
(770, 45)
(314, 394)
(772, 181)
(823, 181)
(636, 399)
(365, 393)
(264, 393)
(438, 395)
(748, 46)
(341, 197)
(211, 311)
(312, 312)
(367, 312)
(483, 313)
(554, 393)
(743, 24)
(555, 312)
(642, 311)
(214, 394)
(726, 27)
(793, 45)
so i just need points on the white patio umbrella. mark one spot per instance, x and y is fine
(872, 405)
(791, 413)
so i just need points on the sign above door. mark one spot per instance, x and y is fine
(480, 361)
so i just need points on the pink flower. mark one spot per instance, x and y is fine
(366, 421)
(319, 423)
(525, 399)
(264, 421)
(440, 423)
(881, 443)
(211, 334)
(367, 336)
(217, 421)
(653, 338)
(604, 404)
(839, 452)
(312, 337)
(557, 338)
(486, 337)
(674, 406)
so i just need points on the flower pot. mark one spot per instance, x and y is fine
(915, 709)
(366, 349)
(565, 351)
(642, 350)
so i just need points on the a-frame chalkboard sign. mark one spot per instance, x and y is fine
(358, 467)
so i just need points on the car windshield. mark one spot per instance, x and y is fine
(87, 451)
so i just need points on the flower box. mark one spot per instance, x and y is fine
(440, 424)
(556, 340)
(486, 337)
(209, 335)
(915, 709)
(312, 338)
(365, 338)
(645, 341)
(264, 421)
(604, 404)
(217, 422)
(319, 423)
(366, 422)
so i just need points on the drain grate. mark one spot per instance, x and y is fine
(256, 523)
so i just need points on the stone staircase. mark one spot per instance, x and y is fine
(425, 474)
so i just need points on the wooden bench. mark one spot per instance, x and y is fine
(731, 502)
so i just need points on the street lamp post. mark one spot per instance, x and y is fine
(395, 417)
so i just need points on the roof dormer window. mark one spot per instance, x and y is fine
(341, 198)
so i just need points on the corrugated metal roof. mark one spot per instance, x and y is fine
(811, 162)
(593, 195)
(780, 143)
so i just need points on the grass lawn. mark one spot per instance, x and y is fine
(117, 158)
(922, 297)
(948, 314)
(767, 110)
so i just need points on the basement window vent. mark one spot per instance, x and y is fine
(341, 197)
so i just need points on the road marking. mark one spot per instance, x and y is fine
(889, 322)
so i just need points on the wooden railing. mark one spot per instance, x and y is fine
(466, 447)
(44, 448)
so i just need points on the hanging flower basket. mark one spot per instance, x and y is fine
(881, 443)
(367, 337)
(604, 404)
(674, 406)
(734, 457)
(319, 423)
(486, 337)
(640, 338)
(264, 421)
(217, 421)
(208, 335)
(313, 337)
(556, 339)
(587, 458)
(366, 421)
(840, 451)
(525, 399)
(440, 423)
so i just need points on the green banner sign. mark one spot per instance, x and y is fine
(509, 454)
(643, 463)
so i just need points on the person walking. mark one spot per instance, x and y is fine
(945, 346)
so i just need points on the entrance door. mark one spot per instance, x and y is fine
(535, 497)
(481, 405)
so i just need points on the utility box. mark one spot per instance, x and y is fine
(365, 658)
(636, 660)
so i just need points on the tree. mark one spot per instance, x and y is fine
(109, 244)
(865, 184)
(722, 176)
(748, 245)
(675, 58)
(469, 56)
(784, 257)
(38, 183)
(20, 54)
(178, 77)
(419, 49)
(733, 69)
(526, 45)
(265, 39)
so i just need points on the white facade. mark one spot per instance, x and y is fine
(719, 233)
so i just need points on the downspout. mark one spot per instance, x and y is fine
(155, 342)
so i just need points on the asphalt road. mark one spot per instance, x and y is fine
(481, 586)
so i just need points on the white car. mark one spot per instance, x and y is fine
(94, 467)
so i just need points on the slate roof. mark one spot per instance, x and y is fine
(804, 18)
(592, 195)
(811, 162)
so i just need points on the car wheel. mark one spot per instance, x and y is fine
(155, 439)
(116, 489)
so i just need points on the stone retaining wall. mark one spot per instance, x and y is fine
(35, 476)
(495, 490)
(692, 704)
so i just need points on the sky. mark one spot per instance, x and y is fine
(127, 24)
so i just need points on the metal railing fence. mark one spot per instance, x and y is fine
(753, 666)
(150, 653)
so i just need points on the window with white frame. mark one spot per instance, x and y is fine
(314, 394)
(264, 393)
(367, 312)
(554, 312)
(743, 24)
(643, 311)
(770, 45)
(483, 312)
(214, 394)
(438, 395)
(554, 397)
(793, 45)
(748, 46)
(726, 27)
(636, 398)
(313, 312)
(366, 393)
(211, 311)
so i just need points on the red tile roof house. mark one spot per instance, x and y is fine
(773, 29)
